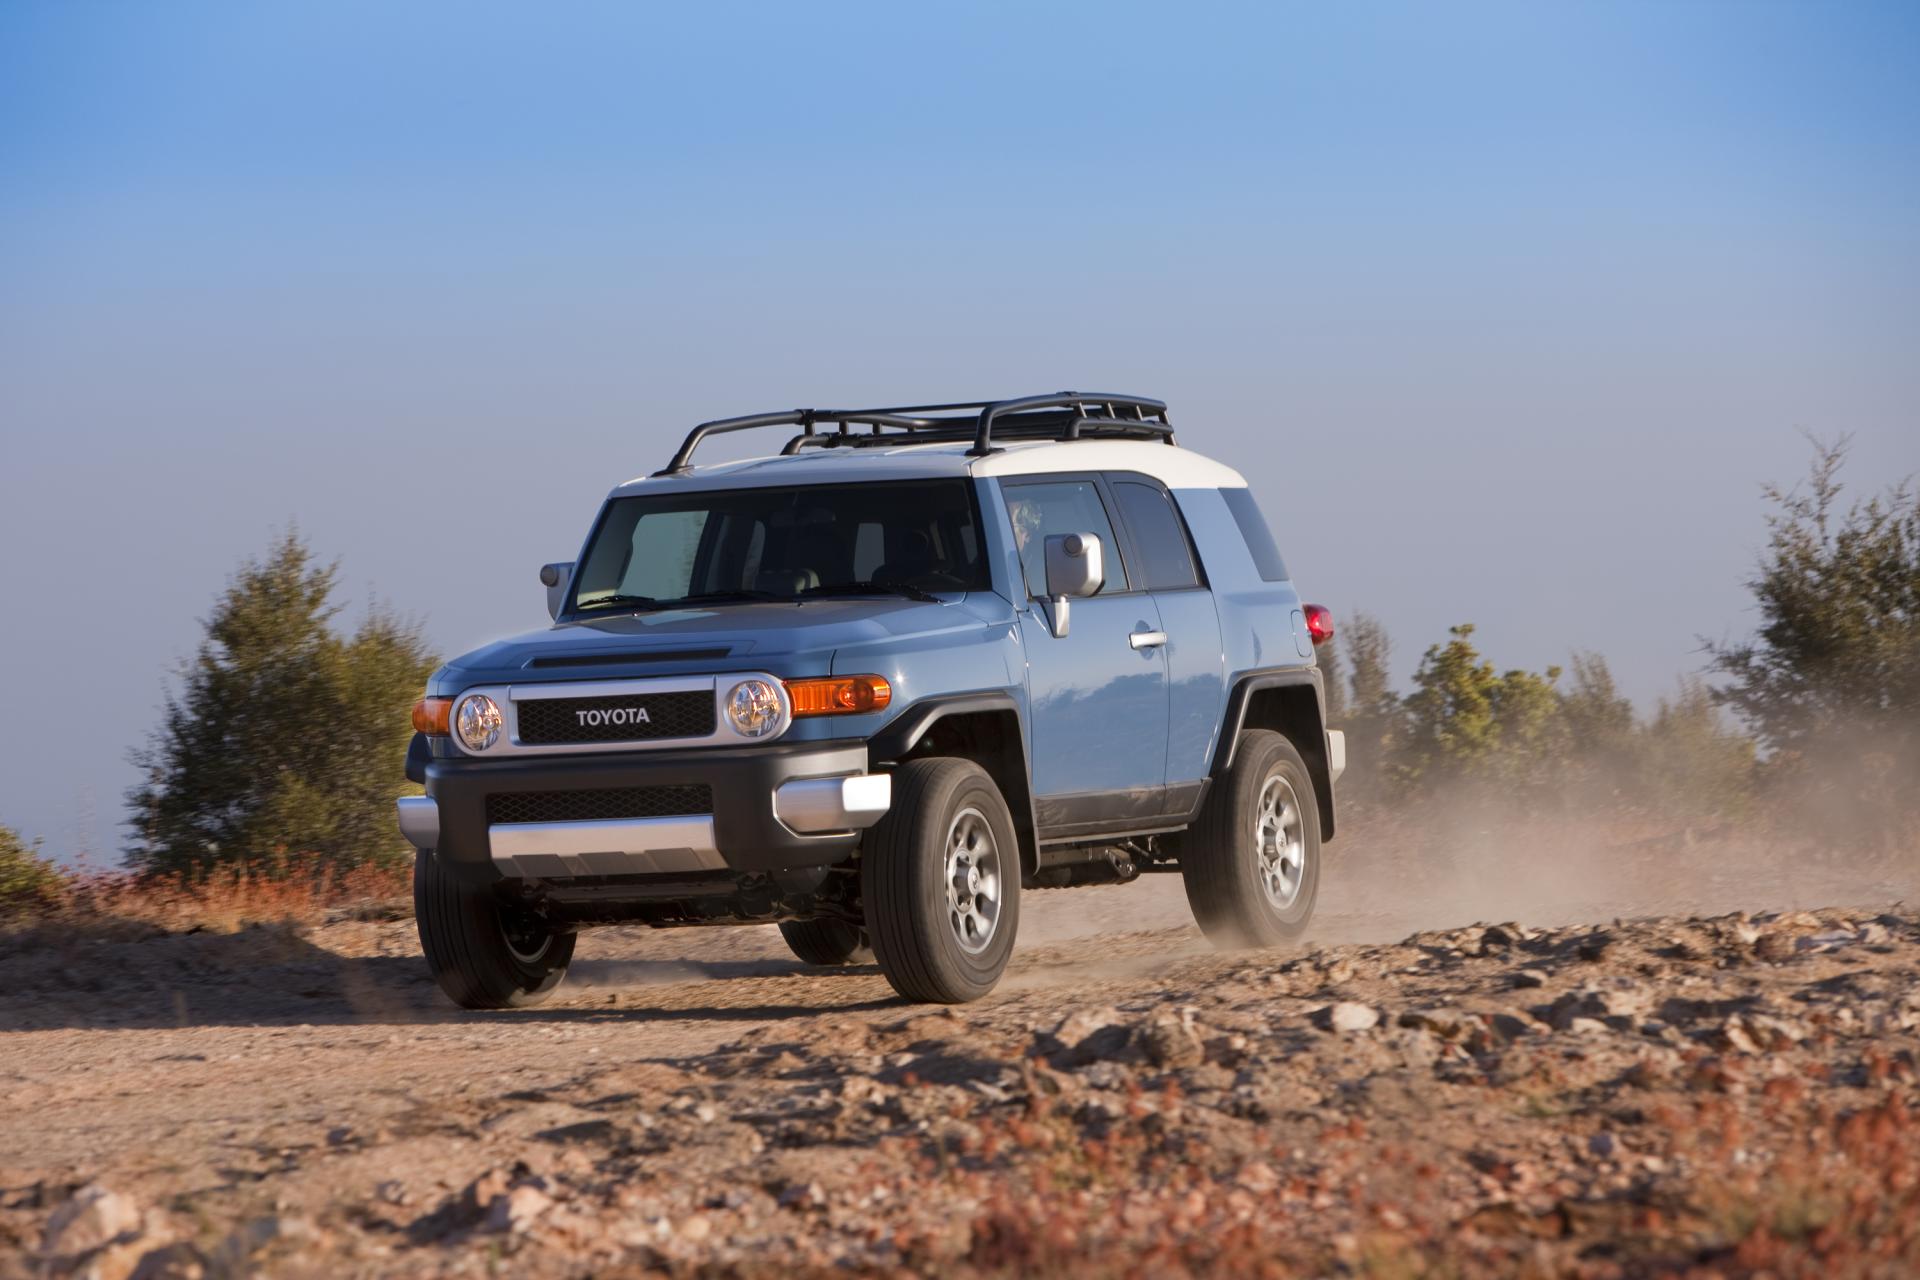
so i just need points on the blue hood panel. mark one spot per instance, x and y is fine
(788, 639)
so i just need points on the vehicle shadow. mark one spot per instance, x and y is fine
(63, 978)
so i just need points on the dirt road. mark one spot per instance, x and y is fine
(305, 1102)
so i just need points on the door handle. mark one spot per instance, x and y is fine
(1147, 639)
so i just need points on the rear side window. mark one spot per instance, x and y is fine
(1166, 559)
(1259, 539)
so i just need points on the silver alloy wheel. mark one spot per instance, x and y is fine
(526, 942)
(973, 881)
(1280, 837)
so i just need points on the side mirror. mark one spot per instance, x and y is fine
(555, 578)
(1076, 566)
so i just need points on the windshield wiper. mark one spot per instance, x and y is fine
(906, 589)
(617, 598)
(721, 597)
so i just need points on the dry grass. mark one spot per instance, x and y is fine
(299, 891)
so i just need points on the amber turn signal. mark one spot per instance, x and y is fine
(838, 695)
(431, 716)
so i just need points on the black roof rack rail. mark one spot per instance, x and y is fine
(1064, 415)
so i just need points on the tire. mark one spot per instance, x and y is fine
(1259, 819)
(932, 945)
(478, 962)
(827, 942)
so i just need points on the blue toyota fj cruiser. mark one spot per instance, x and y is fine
(874, 687)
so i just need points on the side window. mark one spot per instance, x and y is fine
(1040, 511)
(1166, 557)
(1259, 539)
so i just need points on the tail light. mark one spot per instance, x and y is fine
(1319, 623)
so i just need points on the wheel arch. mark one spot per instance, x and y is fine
(1291, 702)
(986, 728)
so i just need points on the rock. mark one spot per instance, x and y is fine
(1598, 1003)
(179, 1261)
(233, 1253)
(1093, 1035)
(1603, 1145)
(1733, 1035)
(92, 1218)
(392, 1191)
(1448, 1024)
(1504, 936)
(1530, 978)
(1081, 1023)
(696, 1228)
(803, 1195)
(1775, 947)
(1595, 946)
(1257, 1176)
(516, 1211)
(1757, 1033)
(1170, 1040)
(485, 1189)
(1347, 1016)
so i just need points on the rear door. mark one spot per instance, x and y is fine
(1098, 695)
(1164, 560)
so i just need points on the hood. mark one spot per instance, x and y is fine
(789, 638)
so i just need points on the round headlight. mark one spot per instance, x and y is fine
(754, 708)
(477, 722)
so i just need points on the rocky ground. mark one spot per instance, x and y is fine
(1720, 1093)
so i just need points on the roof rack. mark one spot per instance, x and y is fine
(1064, 415)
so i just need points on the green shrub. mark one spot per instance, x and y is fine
(28, 882)
(285, 743)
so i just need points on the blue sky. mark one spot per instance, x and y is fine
(1506, 310)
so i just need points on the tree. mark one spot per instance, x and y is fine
(1689, 761)
(286, 736)
(1466, 724)
(1600, 728)
(1831, 683)
(1369, 710)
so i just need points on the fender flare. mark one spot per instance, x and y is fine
(1314, 753)
(897, 739)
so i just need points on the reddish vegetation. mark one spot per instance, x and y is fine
(1723, 1096)
(298, 891)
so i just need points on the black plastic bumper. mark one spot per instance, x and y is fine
(743, 779)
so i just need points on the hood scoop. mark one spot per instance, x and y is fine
(627, 659)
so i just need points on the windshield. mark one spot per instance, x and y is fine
(901, 537)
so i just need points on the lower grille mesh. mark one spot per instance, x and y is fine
(588, 806)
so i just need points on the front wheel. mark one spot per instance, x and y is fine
(484, 952)
(1252, 862)
(940, 882)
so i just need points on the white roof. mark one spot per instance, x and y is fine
(1173, 466)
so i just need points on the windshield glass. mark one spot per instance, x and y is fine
(901, 537)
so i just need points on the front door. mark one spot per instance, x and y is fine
(1097, 695)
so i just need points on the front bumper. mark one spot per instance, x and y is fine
(775, 807)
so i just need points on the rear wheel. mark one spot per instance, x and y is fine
(940, 882)
(485, 952)
(1252, 862)
(827, 942)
